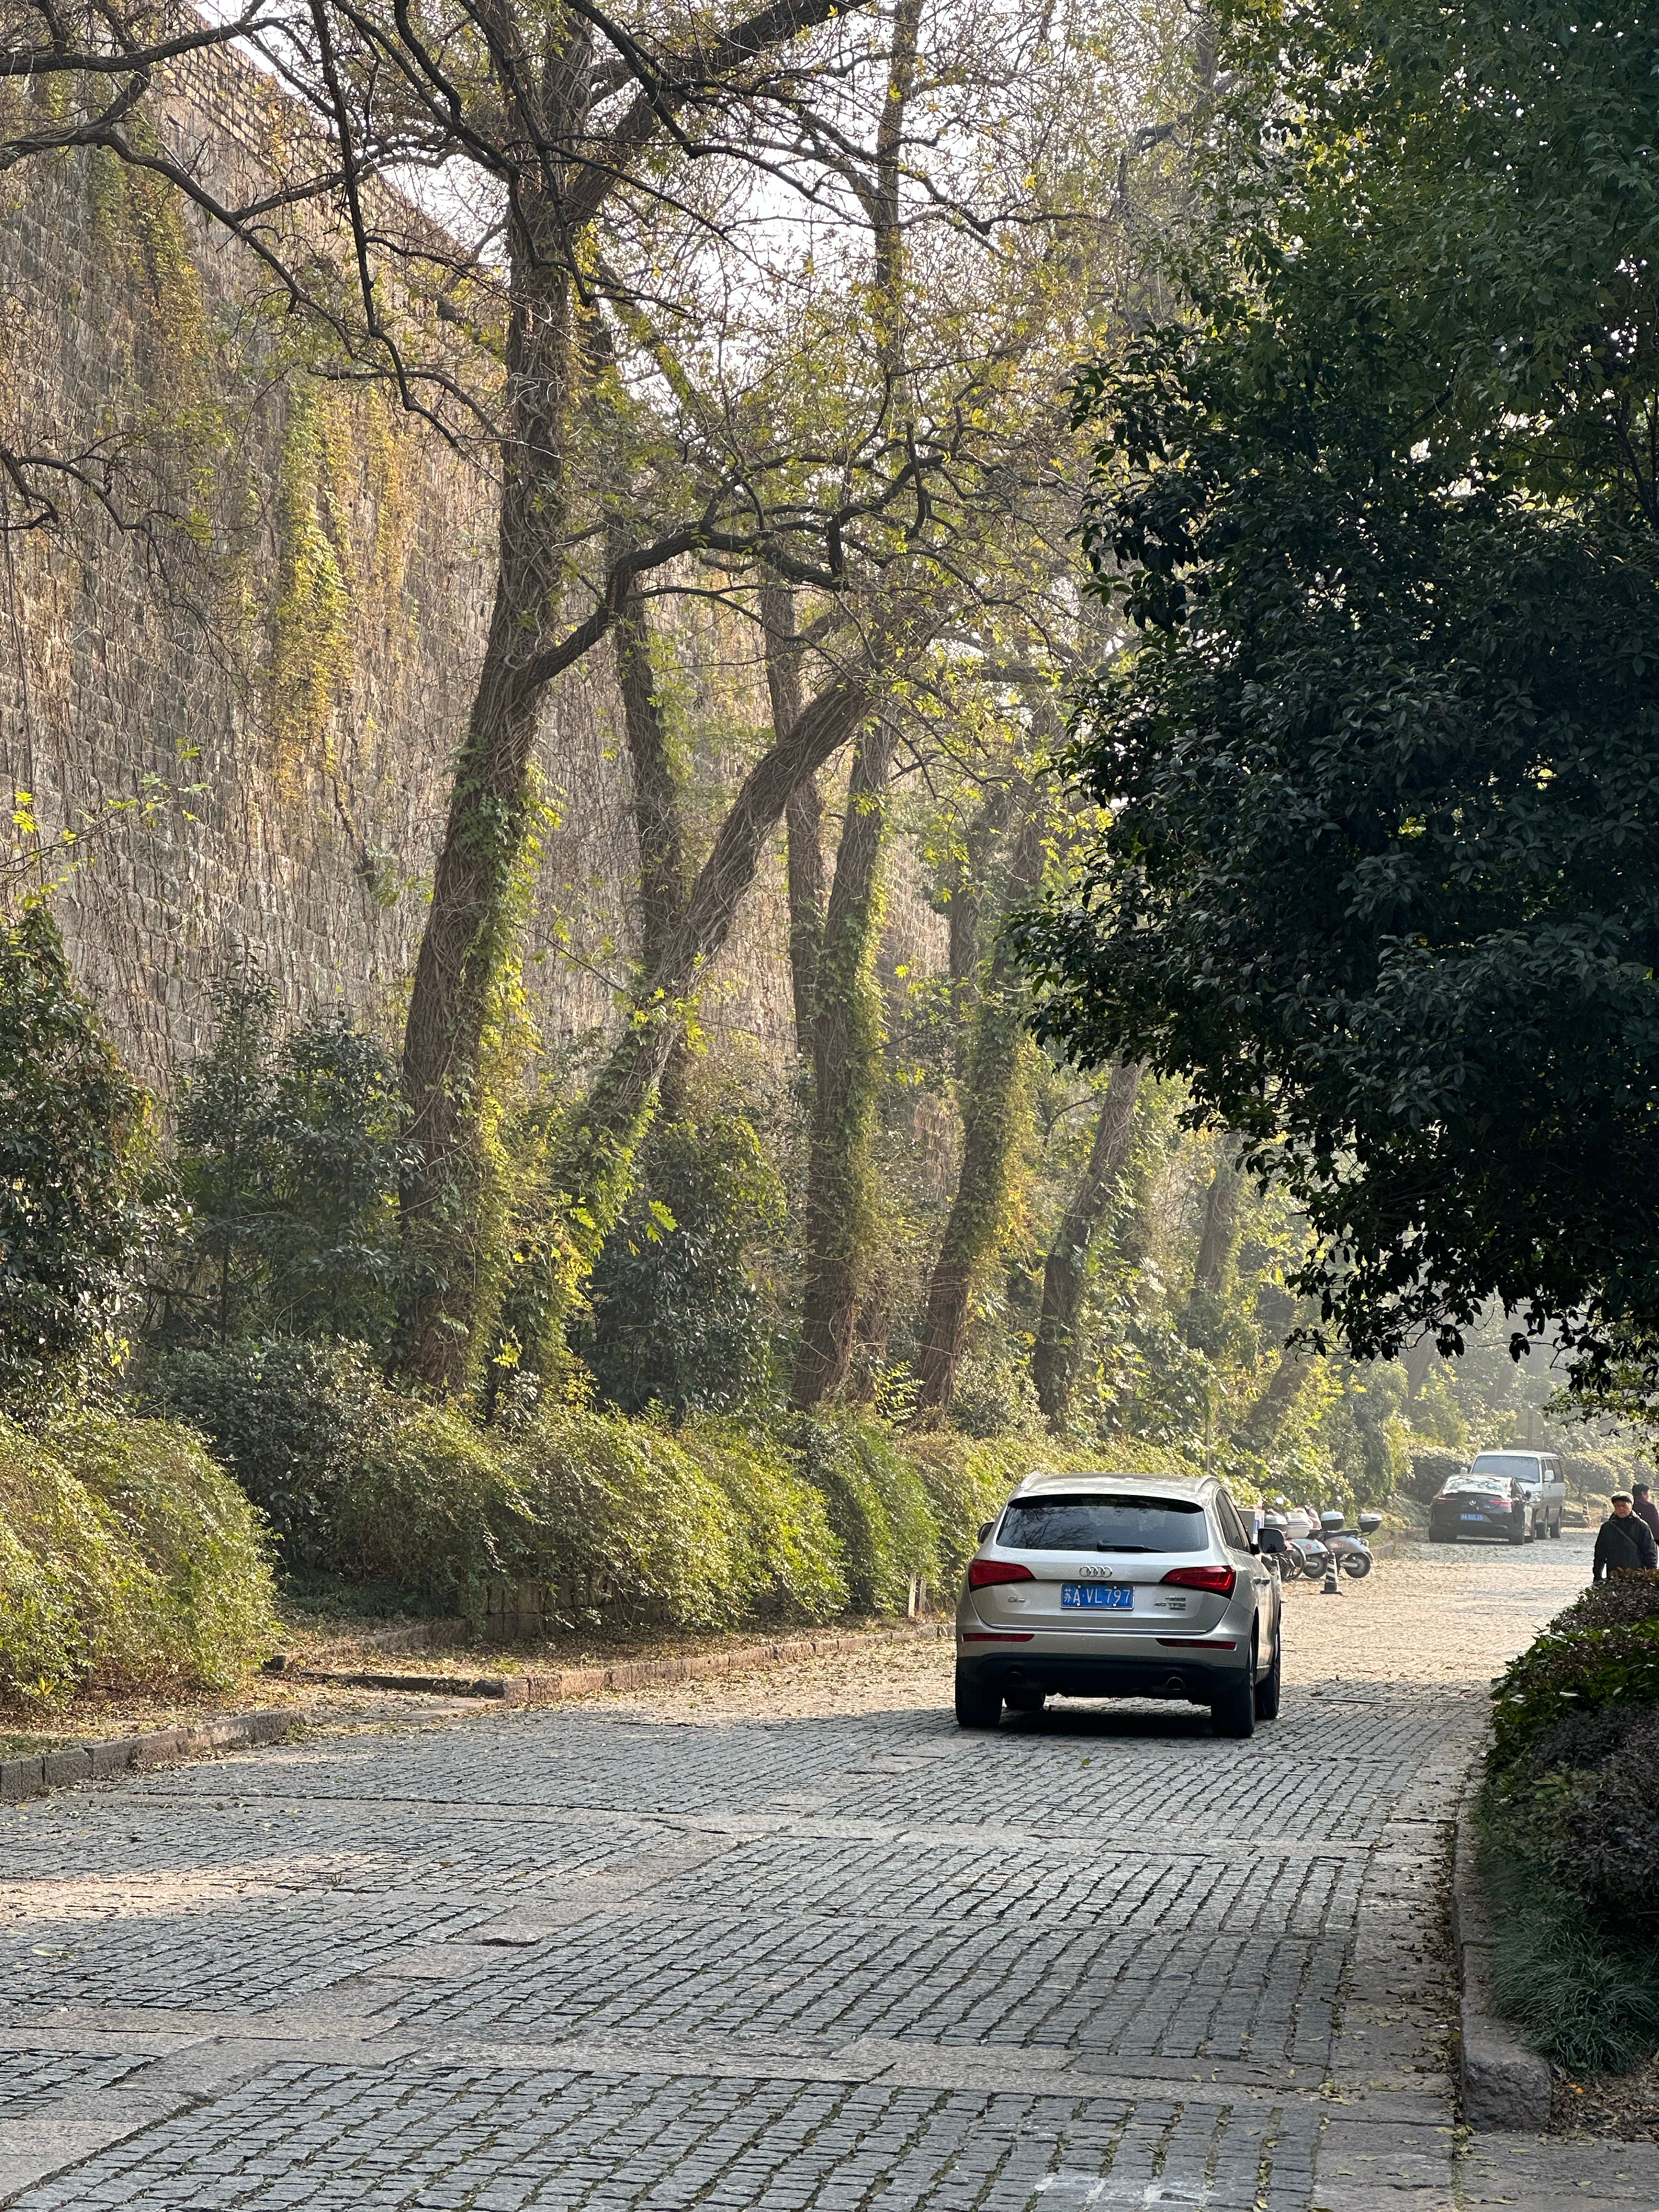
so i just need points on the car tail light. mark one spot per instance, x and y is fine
(982, 1573)
(1220, 1580)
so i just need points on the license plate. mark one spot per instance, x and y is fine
(1106, 1596)
(1471, 1516)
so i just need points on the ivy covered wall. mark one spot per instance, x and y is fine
(280, 623)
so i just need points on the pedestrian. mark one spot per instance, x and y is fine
(1642, 1506)
(1623, 1541)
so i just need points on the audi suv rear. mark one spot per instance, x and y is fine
(1119, 1586)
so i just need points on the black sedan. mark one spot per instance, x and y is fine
(1482, 1506)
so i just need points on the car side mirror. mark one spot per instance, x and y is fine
(985, 1529)
(1270, 1541)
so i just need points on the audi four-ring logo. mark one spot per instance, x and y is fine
(1098, 1574)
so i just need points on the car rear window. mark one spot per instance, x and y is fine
(1103, 1524)
(1521, 1467)
(1493, 1478)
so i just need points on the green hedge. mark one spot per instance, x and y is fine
(707, 1525)
(1570, 1822)
(127, 1560)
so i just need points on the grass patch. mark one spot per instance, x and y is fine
(1592, 2008)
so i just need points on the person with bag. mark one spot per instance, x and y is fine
(1623, 1541)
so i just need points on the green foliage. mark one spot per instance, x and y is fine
(72, 1211)
(876, 1503)
(1432, 1470)
(675, 1316)
(283, 1416)
(126, 1559)
(1380, 871)
(427, 1501)
(1591, 2005)
(1570, 1851)
(628, 1525)
(290, 1157)
(790, 1561)
(1621, 1602)
(1581, 1671)
(206, 1598)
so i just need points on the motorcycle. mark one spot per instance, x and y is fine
(1351, 1553)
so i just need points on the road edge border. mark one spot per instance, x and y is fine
(33, 1775)
(1504, 2085)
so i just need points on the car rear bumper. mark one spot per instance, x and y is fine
(1496, 1524)
(1177, 1671)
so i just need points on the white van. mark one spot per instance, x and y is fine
(1539, 1474)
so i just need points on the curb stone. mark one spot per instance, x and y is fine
(129, 1754)
(1505, 2085)
(555, 1686)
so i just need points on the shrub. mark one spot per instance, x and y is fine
(205, 1604)
(70, 1124)
(624, 1521)
(290, 1155)
(1579, 1672)
(285, 1416)
(427, 1502)
(876, 1503)
(1621, 1602)
(67, 1578)
(675, 1316)
(1432, 1471)
(126, 1559)
(792, 1562)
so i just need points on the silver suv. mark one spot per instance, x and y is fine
(1119, 1586)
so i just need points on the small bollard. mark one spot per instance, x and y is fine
(1332, 1587)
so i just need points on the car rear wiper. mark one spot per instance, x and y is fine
(1120, 1547)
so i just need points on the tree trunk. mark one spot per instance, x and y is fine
(470, 923)
(657, 812)
(1053, 1356)
(591, 1174)
(846, 1077)
(1266, 1416)
(1200, 1322)
(990, 1112)
(803, 816)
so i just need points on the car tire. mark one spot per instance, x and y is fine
(1518, 1535)
(977, 1706)
(1268, 1690)
(1233, 1710)
(1442, 1536)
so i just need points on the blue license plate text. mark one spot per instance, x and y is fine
(1108, 1595)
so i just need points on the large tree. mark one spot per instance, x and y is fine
(1381, 877)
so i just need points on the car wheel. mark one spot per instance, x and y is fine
(1024, 1701)
(1266, 1690)
(1233, 1710)
(1518, 1534)
(1442, 1536)
(977, 1707)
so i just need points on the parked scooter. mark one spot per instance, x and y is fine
(1302, 1555)
(1350, 1550)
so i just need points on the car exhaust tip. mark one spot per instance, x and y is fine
(1176, 1687)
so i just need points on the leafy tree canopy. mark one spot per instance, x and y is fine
(1381, 877)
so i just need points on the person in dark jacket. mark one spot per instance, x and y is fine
(1623, 1541)
(1643, 1507)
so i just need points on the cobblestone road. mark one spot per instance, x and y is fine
(791, 1943)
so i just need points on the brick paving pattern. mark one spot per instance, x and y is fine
(783, 1943)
